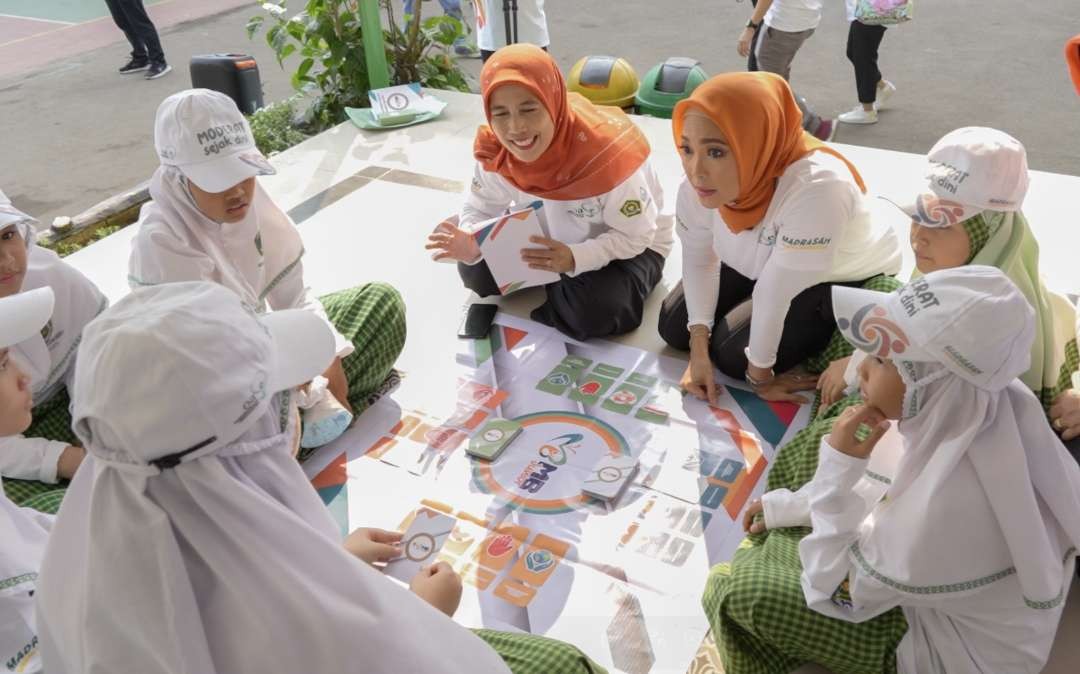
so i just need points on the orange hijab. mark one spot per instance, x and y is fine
(1072, 57)
(762, 124)
(594, 149)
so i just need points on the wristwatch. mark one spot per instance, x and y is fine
(751, 24)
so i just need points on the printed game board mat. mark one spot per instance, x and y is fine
(620, 580)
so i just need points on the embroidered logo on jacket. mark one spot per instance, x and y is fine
(813, 243)
(630, 208)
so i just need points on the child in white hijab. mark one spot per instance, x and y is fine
(210, 220)
(23, 532)
(192, 542)
(46, 452)
(963, 566)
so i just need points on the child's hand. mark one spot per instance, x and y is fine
(749, 524)
(1065, 414)
(450, 242)
(831, 383)
(843, 437)
(338, 383)
(555, 256)
(440, 586)
(374, 545)
(70, 460)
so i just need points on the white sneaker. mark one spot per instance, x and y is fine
(884, 94)
(858, 115)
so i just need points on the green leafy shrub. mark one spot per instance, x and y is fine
(327, 36)
(273, 128)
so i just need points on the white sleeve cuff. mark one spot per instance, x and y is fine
(50, 457)
(758, 362)
(785, 508)
(587, 257)
(838, 467)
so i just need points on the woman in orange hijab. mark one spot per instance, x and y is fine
(601, 199)
(770, 218)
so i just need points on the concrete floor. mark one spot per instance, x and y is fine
(75, 132)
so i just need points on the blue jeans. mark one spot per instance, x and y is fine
(451, 8)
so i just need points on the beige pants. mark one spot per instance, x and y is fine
(776, 49)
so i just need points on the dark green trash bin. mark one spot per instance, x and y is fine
(666, 84)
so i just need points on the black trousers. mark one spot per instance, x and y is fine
(862, 50)
(807, 329)
(608, 301)
(130, 16)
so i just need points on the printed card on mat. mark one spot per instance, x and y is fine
(420, 544)
(609, 477)
(493, 438)
(501, 240)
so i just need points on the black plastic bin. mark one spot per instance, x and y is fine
(235, 75)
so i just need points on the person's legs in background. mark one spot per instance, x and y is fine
(775, 50)
(140, 25)
(873, 90)
(452, 8)
(139, 60)
(813, 123)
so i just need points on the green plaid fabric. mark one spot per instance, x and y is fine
(838, 347)
(1071, 364)
(762, 624)
(52, 421)
(796, 462)
(979, 232)
(531, 654)
(372, 317)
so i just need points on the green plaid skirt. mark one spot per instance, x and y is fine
(52, 421)
(531, 654)
(372, 317)
(762, 624)
(756, 605)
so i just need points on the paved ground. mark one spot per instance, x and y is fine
(74, 132)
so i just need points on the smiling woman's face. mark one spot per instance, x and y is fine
(708, 162)
(521, 122)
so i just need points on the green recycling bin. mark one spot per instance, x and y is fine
(666, 84)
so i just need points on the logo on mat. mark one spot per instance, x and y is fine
(630, 208)
(539, 561)
(872, 332)
(559, 379)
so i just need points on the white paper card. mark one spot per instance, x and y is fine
(501, 240)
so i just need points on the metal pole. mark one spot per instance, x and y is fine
(374, 45)
(513, 9)
(506, 21)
